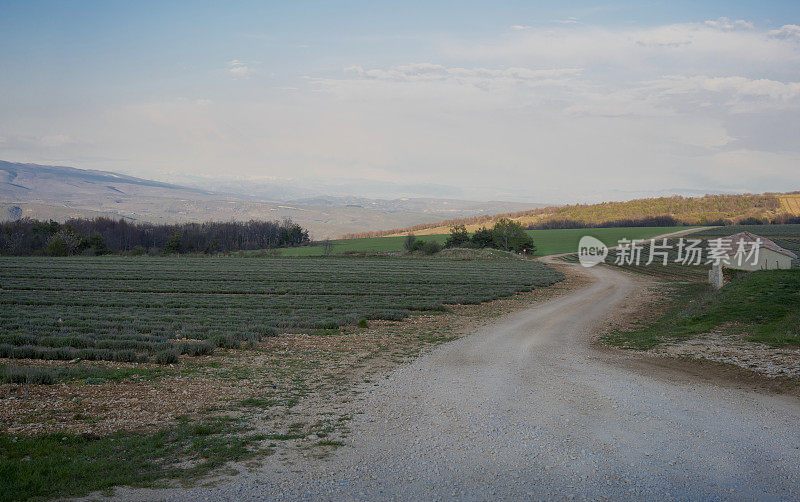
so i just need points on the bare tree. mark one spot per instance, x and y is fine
(327, 247)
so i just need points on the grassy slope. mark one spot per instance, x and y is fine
(765, 306)
(547, 241)
(688, 210)
(52, 465)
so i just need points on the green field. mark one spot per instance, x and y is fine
(547, 241)
(133, 309)
(770, 314)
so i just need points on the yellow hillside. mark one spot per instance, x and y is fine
(790, 203)
(709, 209)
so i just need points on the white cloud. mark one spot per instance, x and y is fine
(239, 69)
(787, 92)
(665, 102)
(55, 140)
(676, 48)
(787, 31)
(723, 23)
(519, 27)
(569, 20)
(434, 72)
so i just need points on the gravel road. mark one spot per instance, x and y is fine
(527, 409)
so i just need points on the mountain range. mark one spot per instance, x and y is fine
(59, 193)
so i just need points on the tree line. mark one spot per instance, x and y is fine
(106, 235)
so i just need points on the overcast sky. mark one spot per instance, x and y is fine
(514, 100)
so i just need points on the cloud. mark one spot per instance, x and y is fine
(786, 32)
(552, 111)
(786, 92)
(55, 140)
(434, 72)
(519, 27)
(723, 23)
(569, 20)
(46, 143)
(666, 101)
(239, 69)
(666, 49)
(456, 88)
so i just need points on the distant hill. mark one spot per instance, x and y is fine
(709, 209)
(59, 193)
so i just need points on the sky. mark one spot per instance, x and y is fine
(536, 101)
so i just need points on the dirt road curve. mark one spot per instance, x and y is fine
(527, 409)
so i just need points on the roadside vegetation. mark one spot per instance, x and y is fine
(82, 373)
(761, 306)
(59, 464)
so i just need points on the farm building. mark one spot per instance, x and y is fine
(770, 256)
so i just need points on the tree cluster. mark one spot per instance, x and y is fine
(411, 244)
(508, 235)
(106, 235)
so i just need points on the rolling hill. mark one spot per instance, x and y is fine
(709, 209)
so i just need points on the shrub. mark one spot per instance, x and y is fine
(409, 242)
(362, 323)
(752, 221)
(28, 375)
(65, 242)
(459, 237)
(510, 236)
(174, 244)
(125, 356)
(483, 238)
(226, 342)
(18, 339)
(94, 245)
(426, 247)
(268, 331)
(56, 247)
(166, 357)
(431, 247)
(196, 348)
(247, 336)
(64, 341)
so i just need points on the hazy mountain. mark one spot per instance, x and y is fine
(57, 192)
(302, 188)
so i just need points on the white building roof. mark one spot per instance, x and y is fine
(732, 244)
